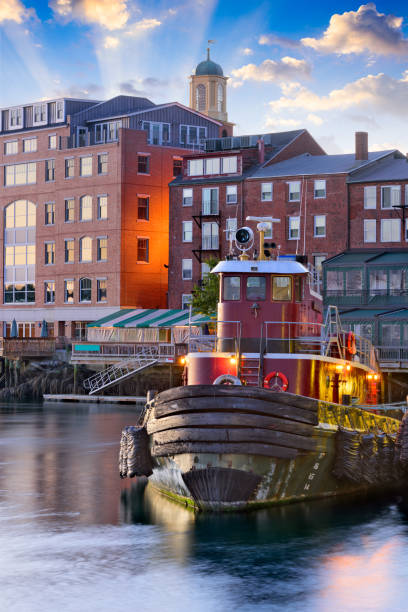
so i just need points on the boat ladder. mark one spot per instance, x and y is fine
(118, 372)
(250, 370)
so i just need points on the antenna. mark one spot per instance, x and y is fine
(262, 227)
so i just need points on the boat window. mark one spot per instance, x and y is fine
(256, 288)
(281, 288)
(232, 288)
(298, 289)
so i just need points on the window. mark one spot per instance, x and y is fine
(143, 249)
(85, 166)
(49, 248)
(192, 134)
(19, 252)
(298, 288)
(335, 282)
(210, 201)
(157, 133)
(318, 260)
(49, 213)
(69, 250)
(15, 117)
(69, 210)
(49, 170)
(378, 282)
(281, 288)
(209, 240)
(406, 230)
(266, 192)
(60, 109)
(256, 288)
(186, 300)
(187, 197)
(102, 207)
(85, 208)
(220, 97)
(205, 270)
(370, 230)
(85, 290)
(212, 165)
(143, 208)
(107, 132)
(294, 191)
(195, 167)
(319, 189)
(294, 228)
(69, 167)
(68, 291)
(49, 292)
(11, 147)
(187, 269)
(354, 281)
(187, 231)
(101, 290)
(200, 97)
(20, 174)
(268, 232)
(390, 196)
(102, 248)
(390, 230)
(319, 226)
(143, 164)
(85, 249)
(177, 167)
(370, 197)
(52, 141)
(29, 145)
(229, 164)
(40, 113)
(232, 288)
(103, 163)
(231, 228)
(231, 194)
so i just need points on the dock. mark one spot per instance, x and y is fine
(96, 399)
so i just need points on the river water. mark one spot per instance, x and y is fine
(74, 537)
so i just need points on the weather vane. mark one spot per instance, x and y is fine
(210, 42)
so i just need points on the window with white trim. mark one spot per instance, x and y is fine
(187, 231)
(69, 291)
(85, 249)
(102, 163)
(49, 170)
(11, 147)
(49, 213)
(390, 196)
(85, 290)
(230, 164)
(102, 207)
(209, 238)
(319, 226)
(49, 292)
(187, 197)
(205, 270)
(85, 208)
(370, 230)
(195, 167)
(69, 167)
(319, 189)
(231, 228)
(30, 145)
(192, 134)
(102, 248)
(266, 192)
(49, 251)
(268, 232)
(294, 228)
(187, 269)
(370, 197)
(294, 191)
(232, 194)
(210, 201)
(85, 166)
(101, 290)
(69, 210)
(390, 230)
(212, 165)
(52, 141)
(20, 174)
(186, 299)
(69, 246)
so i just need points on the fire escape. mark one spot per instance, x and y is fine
(209, 222)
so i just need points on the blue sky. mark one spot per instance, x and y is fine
(333, 68)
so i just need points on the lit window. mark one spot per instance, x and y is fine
(85, 249)
(232, 194)
(49, 209)
(281, 288)
(19, 252)
(266, 192)
(69, 210)
(294, 228)
(68, 291)
(101, 290)
(370, 197)
(320, 226)
(390, 230)
(294, 191)
(370, 230)
(85, 290)
(143, 164)
(85, 208)
(390, 196)
(11, 147)
(69, 167)
(49, 292)
(320, 189)
(85, 166)
(102, 249)
(187, 269)
(187, 231)
(103, 163)
(102, 207)
(187, 197)
(49, 170)
(20, 174)
(29, 145)
(69, 250)
(52, 141)
(143, 249)
(143, 208)
(49, 253)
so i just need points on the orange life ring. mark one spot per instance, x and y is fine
(351, 343)
(276, 386)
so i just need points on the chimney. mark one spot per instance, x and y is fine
(261, 151)
(361, 146)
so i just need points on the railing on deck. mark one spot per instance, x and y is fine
(207, 343)
(86, 352)
(394, 354)
(27, 347)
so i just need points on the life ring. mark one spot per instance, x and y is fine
(280, 383)
(227, 379)
(351, 343)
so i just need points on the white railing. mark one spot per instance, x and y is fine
(117, 351)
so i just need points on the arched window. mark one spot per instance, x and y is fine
(220, 97)
(85, 290)
(19, 252)
(85, 248)
(200, 97)
(85, 208)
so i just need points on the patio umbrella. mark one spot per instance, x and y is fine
(44, 329)
(13, 331)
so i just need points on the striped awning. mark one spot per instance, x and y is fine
(140, 317)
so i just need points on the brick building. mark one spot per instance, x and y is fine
(325, 203)
(84, 200)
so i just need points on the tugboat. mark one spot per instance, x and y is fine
(269, 410)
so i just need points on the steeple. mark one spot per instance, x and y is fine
(208, 89)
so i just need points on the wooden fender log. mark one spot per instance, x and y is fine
(227, 419)
(234, 404)
(242, 434)
(226, 448)
(213, 391)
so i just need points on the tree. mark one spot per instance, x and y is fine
(205, 297)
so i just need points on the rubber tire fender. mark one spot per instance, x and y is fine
(227, 379)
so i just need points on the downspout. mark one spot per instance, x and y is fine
(348, 217)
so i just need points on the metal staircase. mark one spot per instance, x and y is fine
(250, 370)
(332, 332)
(118, 372)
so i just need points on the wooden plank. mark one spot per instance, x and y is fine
(234, 404)
(242, 434)
(195, 448)
(306, 403)
(227, 419)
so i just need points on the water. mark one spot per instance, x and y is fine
(74, 537)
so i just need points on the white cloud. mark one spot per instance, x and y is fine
(315, 119)
(109, 14)
(359, 31)
(286, 69)
(111, 42)
(14, 10)
(141, 26)
(282, 123)
(247, 51)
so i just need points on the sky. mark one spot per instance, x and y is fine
(332, 68)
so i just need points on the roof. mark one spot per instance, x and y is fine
(372, 256)
(390, 169)
(307, 164)
(401, 313)
(280, 266)
(142, 317)
(208, 67)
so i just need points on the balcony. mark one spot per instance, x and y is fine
(116, 352)
(393, 358)
(372, 297)
(27, 347)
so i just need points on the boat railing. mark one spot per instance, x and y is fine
(226, 338)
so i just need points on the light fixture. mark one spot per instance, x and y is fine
(233, 360)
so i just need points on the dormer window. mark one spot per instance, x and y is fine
(196, 167)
